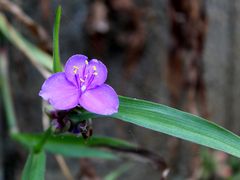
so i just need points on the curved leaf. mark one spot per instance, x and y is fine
(36, 55)
(176, 123)
(34, 168)
(73, 146)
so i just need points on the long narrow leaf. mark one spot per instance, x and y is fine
(57, 67)
(34, 168)
(179, 124)
(37, 56)
(6, 94)
(73, 146)
(176, 123)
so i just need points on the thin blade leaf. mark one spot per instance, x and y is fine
(57, 67)
(176, 123)
(37, 56)
(34, 168)
(5, 92)
(179, 124)
(73, 146)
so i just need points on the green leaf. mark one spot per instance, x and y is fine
(39, 146)
(179, 124)
(57, 67)
(176, 123)
(6, 93)
(34, 168)
(73, 146)
(36, 55)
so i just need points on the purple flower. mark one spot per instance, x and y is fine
(82, 84)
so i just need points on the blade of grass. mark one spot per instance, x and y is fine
(39, 146)
(32, 26)
(6, 95)
(176, 123)
(73, 146)
(57, 67)
(34, 168)
(39, 58)
(95, 141)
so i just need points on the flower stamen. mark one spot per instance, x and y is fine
(75, 69)
(82, 80)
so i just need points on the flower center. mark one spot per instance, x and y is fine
(85, 79)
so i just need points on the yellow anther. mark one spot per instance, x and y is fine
(75, 69)
(95, 73)
(86, 62)
(94, 68)
(82, 80)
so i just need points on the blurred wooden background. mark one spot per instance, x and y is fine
(181, 53)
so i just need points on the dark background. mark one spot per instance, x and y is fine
(180, 53)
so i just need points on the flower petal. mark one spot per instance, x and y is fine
(101, 100)
(100, 72)
(75, 65)
(59, 92)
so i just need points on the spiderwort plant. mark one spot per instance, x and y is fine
(82, 83)
(61, 122)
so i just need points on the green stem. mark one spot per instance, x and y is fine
(38, 148)
(34, 54)
(57, 67)
(6, 94)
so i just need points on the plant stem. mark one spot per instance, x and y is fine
(57, 67)
(6, 95)
(44, 139)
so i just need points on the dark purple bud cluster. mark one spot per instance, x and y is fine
(61, 123)
(83, 127)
